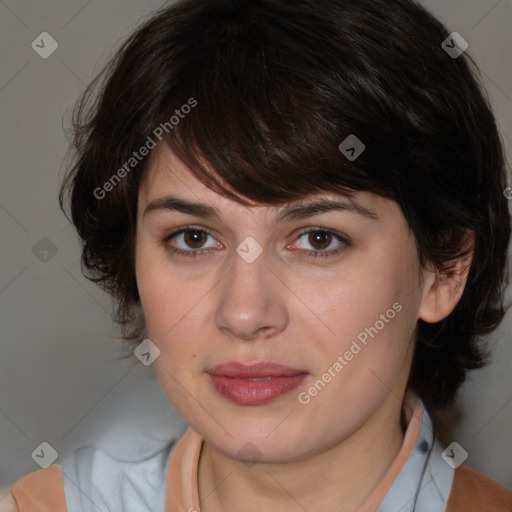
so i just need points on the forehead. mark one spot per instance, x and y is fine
(166, 173)
(167, 177)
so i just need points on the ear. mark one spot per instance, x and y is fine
(442, 291)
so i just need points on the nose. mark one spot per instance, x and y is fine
(252, 301)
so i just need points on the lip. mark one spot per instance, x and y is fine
(236, 381)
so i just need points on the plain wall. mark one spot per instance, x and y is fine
(60, 380)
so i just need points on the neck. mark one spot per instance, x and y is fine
(340, 478)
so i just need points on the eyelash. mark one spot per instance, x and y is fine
(302, 253)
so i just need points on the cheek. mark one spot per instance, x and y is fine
(167, 304)
(371, 313)
(161, 294)
(174, 306)
(354, 300)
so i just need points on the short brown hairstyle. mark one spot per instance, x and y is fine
(279, 85)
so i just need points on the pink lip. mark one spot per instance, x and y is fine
(235, 381)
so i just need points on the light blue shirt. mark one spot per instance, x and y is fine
(97, 482)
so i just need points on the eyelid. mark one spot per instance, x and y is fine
(184, 229)
(331, 231)
(341, 237)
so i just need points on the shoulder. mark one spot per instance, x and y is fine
(90, 479)
(7, 503)
(41, 490)
(96, 480)
(473, 492)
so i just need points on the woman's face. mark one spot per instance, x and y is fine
(269, 334)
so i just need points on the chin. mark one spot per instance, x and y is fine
(261, 442)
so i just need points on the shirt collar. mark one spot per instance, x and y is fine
(414, 475)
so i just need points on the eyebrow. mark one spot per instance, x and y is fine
(300, 211)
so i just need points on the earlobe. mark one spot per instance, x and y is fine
(442, 291)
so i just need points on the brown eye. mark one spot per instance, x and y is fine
(190, 242)
(320, 239)
(195, 238)
(318, 242)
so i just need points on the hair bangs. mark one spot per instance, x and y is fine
(260, 131)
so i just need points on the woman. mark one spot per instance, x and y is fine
(299, 207)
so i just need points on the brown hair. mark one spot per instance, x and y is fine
(279, 85)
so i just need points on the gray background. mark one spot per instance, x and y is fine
(60, 379)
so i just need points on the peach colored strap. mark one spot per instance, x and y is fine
(181, 484)
(41, 491)
(474, 492)
(413, 415)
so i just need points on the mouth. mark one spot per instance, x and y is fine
(254, 384)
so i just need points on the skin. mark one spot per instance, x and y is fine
(7, 503)
(300, 312)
